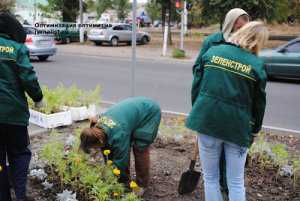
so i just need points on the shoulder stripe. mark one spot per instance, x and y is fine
(214, 66)
(8, 59)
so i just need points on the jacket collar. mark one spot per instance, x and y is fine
(4, 36)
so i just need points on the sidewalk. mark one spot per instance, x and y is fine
(145, 52)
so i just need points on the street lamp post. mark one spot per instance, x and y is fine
(133, 43)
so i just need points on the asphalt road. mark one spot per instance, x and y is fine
(168, 82)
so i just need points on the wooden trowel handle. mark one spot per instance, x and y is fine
(195, 156)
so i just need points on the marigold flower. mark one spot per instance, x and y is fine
(116, 172)
(1, 168)
(77, 160)
(109, 162)
(115, 194)
(106, 152)
(133, 185)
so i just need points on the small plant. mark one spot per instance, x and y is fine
(95, 180)
(72, 96)
(261, 150)
(296, 172)
(178, 53)
(281, 156)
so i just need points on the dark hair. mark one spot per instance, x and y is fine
(91, 137)
(10, 26)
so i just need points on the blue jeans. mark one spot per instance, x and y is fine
(210, 152)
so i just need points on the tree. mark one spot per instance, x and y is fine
(7, 4)
(99, 6)
(68, 9)
(153, 10)
(270, 10)
(122, 7)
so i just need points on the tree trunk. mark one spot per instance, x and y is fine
(163, 17)
(169, 23)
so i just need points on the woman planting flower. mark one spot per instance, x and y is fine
(131, 123)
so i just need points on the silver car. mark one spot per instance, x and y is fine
(40, 45)
(116, 34)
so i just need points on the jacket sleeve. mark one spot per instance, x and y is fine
(27, 75)
(259, 104)
(198, 71)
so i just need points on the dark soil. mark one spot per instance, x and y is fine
(170, 158)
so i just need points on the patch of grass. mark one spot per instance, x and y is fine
(178, 53)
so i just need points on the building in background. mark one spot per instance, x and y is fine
(27, 11)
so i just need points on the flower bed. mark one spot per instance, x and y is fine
(170, 156)
(78, 176)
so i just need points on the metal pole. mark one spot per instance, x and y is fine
(81, 31)
(185, 18)
(166, 35)
(182, 30)
(133, 43)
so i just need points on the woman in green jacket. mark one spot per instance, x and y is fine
(228, 107)
(17, 78)
(234, 20)
(133, 123)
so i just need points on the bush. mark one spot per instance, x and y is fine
(178, 53)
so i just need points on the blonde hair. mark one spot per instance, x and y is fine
(251, 36)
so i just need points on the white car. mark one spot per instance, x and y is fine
(39, 45)
(115, 34)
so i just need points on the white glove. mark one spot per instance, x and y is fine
(39, 104)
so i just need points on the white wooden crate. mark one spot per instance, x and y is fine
(82, 113)
(50, 120)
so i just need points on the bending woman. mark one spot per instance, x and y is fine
(133, 123)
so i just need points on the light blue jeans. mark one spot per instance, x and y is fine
(210, 152)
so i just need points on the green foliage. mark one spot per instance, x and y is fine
(63, 96)
(153, 10)
(178, 53)
(122, 7)
(74, 169)
(66, 11)
(98, 6)
(270, 10)
(281, 156)
(296, 172)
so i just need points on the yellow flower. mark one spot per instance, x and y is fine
(77, 161)
(133, 185)
(115, 194)
(109, 162)
(106, 152)
(1, 168)
(116, 172)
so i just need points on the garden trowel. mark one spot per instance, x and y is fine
(189, 179)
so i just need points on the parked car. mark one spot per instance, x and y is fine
(284, 61)
(39, 45)
(67, 33)
(116, 34)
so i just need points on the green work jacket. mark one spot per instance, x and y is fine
(16, 77)
(211, 40)
(134, 121)
(230, 98)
